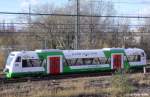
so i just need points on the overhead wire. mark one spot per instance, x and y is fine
(81, 15)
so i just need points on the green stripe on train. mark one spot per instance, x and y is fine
(25, 74)
(67, 69)
(43, 55)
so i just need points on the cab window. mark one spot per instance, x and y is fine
(142, 54)
(31, 63)
(10, 59)
(18, 59)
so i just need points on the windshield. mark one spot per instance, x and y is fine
(9, 59)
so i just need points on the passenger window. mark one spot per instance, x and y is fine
(82, 61)
(87, 61)
(134, 58)
(18, 59)
(96, 61)
(78, 62)
(71, 61)
(104, 60)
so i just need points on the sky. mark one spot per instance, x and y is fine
(123, 7)
(132, 7)
(20, 5)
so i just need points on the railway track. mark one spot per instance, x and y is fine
(4, 80)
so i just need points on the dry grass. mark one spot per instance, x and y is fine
(77, 87)
(120, 86)
(2, 58)
(65, 88)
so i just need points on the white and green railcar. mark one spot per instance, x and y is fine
(51, 62)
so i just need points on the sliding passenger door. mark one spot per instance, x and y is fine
(54, 64)
(117, 61)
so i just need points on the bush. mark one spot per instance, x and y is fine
(2, 58)
(120, 85)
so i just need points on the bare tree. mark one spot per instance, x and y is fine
(59, 31)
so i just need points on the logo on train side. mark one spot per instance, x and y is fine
(89, 54)
(26, 57)
(84, 54)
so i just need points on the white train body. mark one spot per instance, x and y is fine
(47, 62)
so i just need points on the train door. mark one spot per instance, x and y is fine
(117, 61)
(54, 64)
